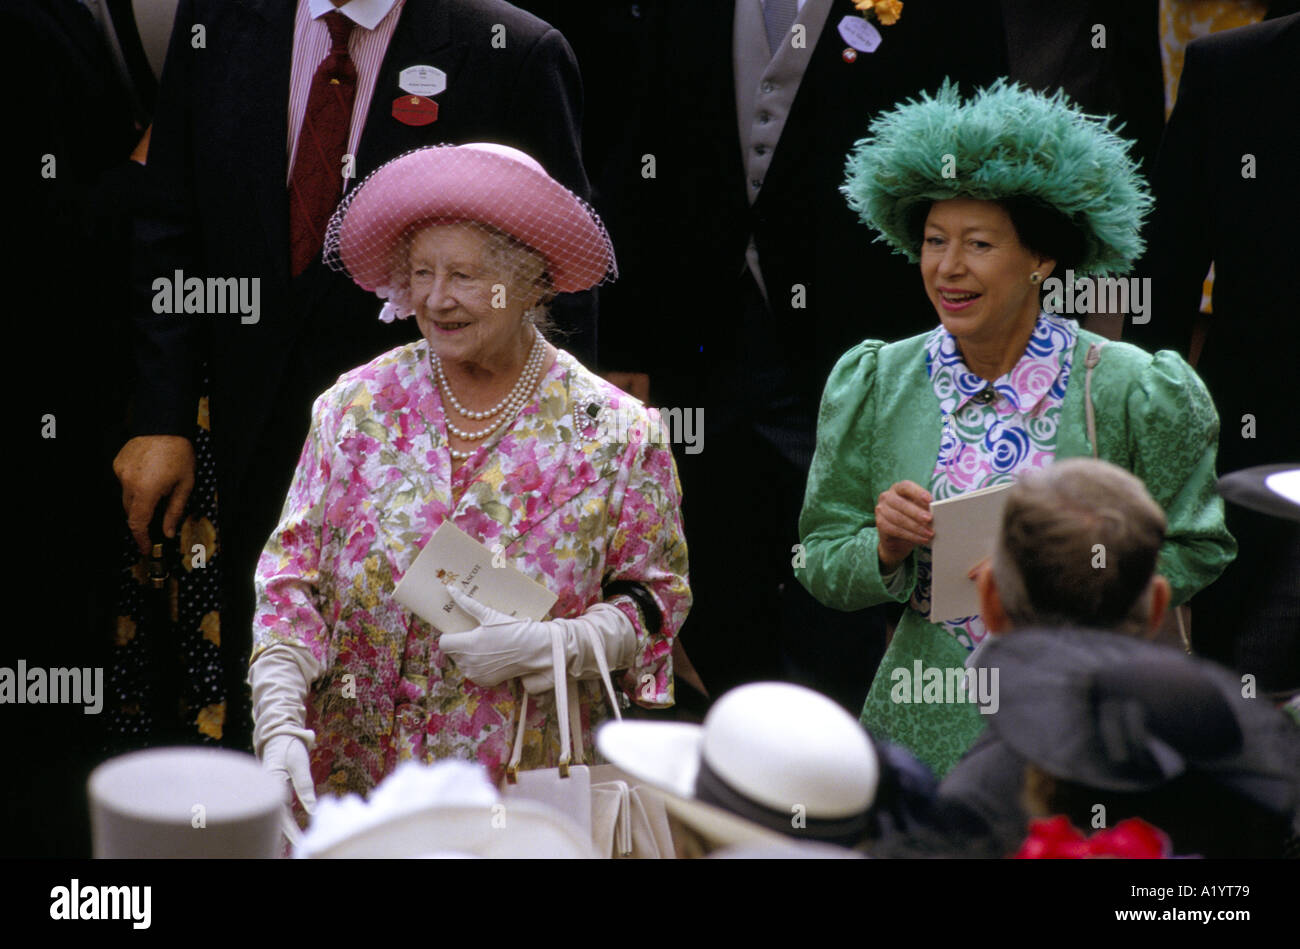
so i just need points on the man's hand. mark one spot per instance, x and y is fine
(150, 468)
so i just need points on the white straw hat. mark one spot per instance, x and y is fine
(772, 761)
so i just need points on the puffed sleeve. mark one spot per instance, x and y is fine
(1173, 440)
(648, 548)
(288, 574)
(838, 523)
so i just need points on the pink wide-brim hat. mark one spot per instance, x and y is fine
(483, 182)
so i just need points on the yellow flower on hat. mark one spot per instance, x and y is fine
(864, 6)
(888, 11)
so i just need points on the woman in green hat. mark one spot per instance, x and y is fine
(992, 196)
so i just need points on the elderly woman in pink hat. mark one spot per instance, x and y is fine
(486, 424)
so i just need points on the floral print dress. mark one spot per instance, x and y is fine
(575, 501)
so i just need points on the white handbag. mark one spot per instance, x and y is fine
(625, 820)
(601, 800)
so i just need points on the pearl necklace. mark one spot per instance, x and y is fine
(515, 400)
(535, 355)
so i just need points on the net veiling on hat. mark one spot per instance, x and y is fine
(538, 232)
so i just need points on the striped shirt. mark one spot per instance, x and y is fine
(366, 46)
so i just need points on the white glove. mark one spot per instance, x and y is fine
(503, 647)
(286, 757)
(281, 678)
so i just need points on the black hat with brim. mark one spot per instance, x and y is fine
(1120, 714)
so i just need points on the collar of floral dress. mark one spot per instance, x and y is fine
(1043, 368)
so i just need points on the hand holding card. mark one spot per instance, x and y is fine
(453, 557)
(965, 529)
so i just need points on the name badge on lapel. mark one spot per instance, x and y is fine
(422, 80)
(860, 35)
(415, 110)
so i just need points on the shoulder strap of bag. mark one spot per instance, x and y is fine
(575, 716)
(561, 708)
(598, 648)
(566, 704)
(1090, 363)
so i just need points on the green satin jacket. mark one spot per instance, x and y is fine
(880, 423)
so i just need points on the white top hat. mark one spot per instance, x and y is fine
(184, 802)
(772, 761)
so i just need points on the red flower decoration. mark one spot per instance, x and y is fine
(1056, 839)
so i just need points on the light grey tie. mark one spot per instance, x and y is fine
(778, 16)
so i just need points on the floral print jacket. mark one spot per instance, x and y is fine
(575, 497)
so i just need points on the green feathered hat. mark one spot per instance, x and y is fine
(1005, 141)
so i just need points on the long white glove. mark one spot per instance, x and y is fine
(503, 647)
(281, 678)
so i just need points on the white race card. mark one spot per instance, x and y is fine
(452, 556)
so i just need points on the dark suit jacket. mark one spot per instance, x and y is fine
(682, 235)
(218, 162)
(1236, 98)
(1051, 46)
(61, 267)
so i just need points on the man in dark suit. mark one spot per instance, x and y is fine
(1225, 192)
(218, 164)
(744, 276)
(71, 125)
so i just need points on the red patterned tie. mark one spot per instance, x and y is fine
(317, 179)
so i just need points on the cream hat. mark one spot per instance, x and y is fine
(772, 761)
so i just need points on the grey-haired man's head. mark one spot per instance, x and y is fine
(1078, 547)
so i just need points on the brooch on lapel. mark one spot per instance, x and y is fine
(584, 421)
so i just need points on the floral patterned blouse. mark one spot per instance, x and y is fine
(575, 502)
(988, 444)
